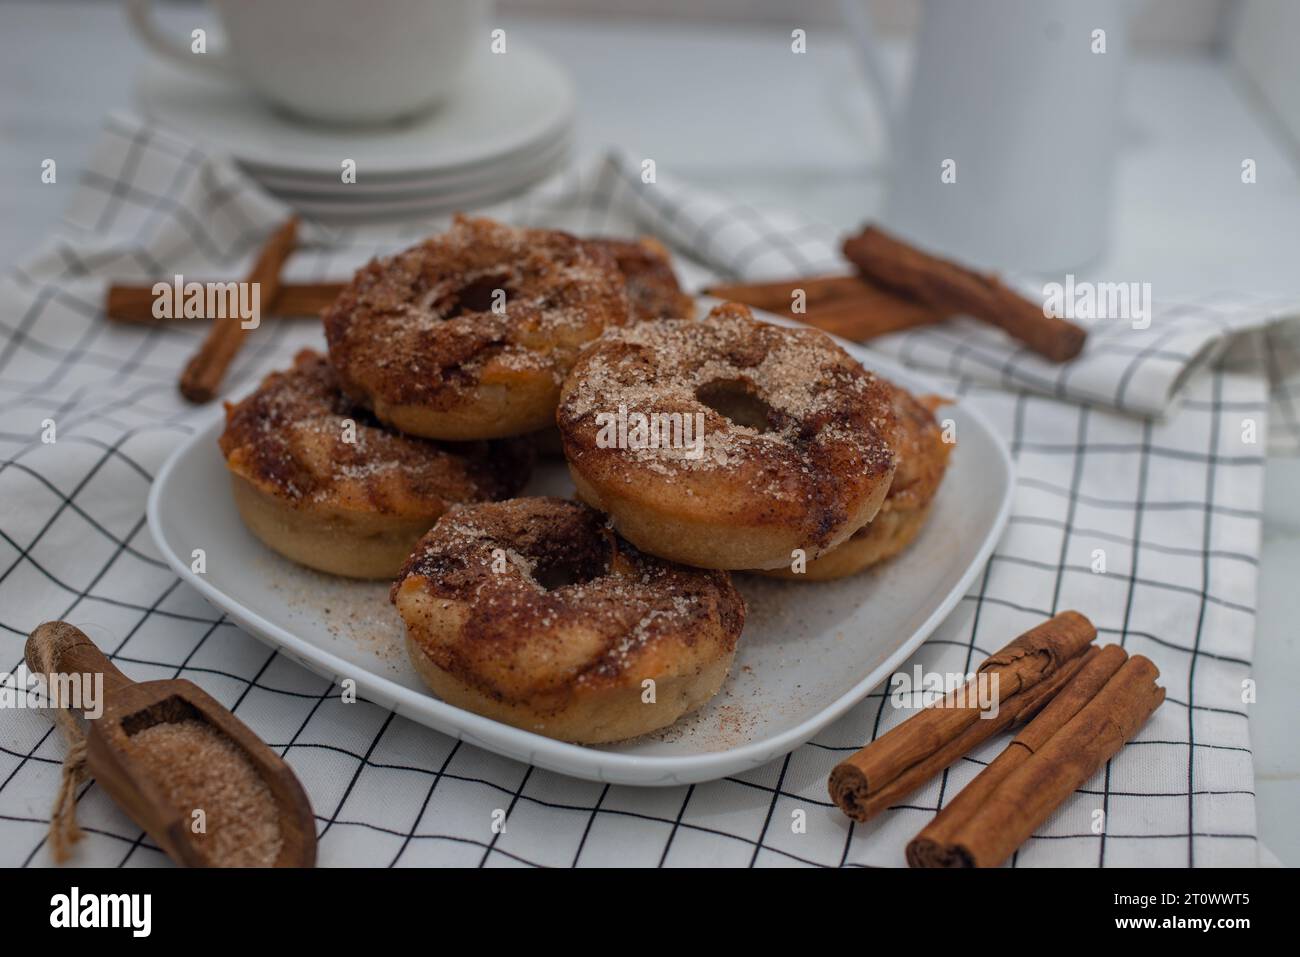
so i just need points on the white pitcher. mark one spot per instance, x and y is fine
(1003, 150)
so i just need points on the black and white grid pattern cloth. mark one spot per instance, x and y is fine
(1149, 451)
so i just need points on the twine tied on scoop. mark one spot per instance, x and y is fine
(45, 646)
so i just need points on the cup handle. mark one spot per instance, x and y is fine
(140, 14)
(858, 24)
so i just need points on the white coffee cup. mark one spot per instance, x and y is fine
(336, 61)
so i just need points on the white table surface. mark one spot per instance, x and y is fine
(711, 104)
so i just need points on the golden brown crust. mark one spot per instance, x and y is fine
(882, 538)
(339, 541)
(415, 336)
(535, 609)
(922, 452)
(314, 468)
(653, 291)
(597, 716)
(922, 462)
(811, 468)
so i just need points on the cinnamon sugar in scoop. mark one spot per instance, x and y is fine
(199, 768)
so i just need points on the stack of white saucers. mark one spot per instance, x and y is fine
(508, 125)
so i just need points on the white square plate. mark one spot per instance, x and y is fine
(808, 653)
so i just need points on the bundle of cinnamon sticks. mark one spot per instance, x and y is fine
(1076, 704)
(201, 379)
(898, 286)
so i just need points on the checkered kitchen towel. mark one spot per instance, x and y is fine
(1173, 499)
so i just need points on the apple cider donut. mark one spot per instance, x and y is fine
(652, 288)
(470, 334)
(533, 612)
(922, 462)
(727, 443)
(318, 480)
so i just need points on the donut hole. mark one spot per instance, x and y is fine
(477, 295)
(552, 577)
(738, 402)
(574, 565)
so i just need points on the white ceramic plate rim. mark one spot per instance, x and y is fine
(574, 759)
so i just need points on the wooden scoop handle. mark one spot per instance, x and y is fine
(60, 648)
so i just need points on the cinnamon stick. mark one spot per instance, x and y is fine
(1084, 726)
(952, 288)
(128, 302)
(905, 757)
(203, 374)
(778, 295)
(862, 320)
(848, 306)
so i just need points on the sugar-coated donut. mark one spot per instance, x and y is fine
(653, 291)
(769, 439)
(318, 480)
(533, 612)
(922, 462)
(469, 334)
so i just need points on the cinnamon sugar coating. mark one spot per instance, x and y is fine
(555, 601)
(922, 461)
(290, 439)
(653, 291)
(796, 432)
(198, 767)
(418, 329)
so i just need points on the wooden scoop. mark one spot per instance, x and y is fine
(128, 708)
